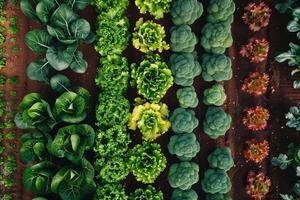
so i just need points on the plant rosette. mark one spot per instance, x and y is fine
(256, 118)
(256, 50)
(258, 185)
(257, 16)
(256, 151)
(256, 83)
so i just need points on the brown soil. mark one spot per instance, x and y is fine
(278, 99)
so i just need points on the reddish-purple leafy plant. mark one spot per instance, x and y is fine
(256, 83)
(256, 50)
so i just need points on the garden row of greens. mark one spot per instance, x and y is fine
(54, 145)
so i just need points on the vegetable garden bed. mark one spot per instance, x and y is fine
(277, 99)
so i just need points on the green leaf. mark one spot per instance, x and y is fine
(28, 8)
(60, 83)
(293, 26)
(44, 10)
(60, 59)
(79, 4)
(62, 17)
(80, 29)
(56, 32)
(79, 65)
(39, 71)
(90, 38)
(20, 123)
(296, 84)
(38, 41)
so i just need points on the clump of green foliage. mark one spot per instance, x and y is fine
(293, 118)
(185, 67)
(112, 33)
(149, 36)
(216, 37)
(217, 196)
(146, 162)
(149, 193)
(214, 95)
(184, 194)
(104, 5)
(111, 191)
(184, 146)
(186, 11)
(183, 120)
(221, 158)
(216, 181)
(157, 8)
(183, 39)
(183, 175)
(216, 67)
(152, 78)
(216, 122)
(151, 119)
(113, 74)
(220, 11)
(187, 97)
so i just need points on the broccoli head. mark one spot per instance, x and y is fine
(216, 181)
(216, 37)
(183, 120)
(184, 146)
(184, 195)
(186, 11)
(183, 39)
(183, 175)
(220, 11)
(217, 196)
(214, 95)
(185, 67)
(187, 97)
(216, 67)
(221, 159)
(216, 122)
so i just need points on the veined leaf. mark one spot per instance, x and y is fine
(80, 29)
(28, 8)
(60, 83)
(79, 65)
(61, 59)
(38, 40)
(44, 10)
(39, 71)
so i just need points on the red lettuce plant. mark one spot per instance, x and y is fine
(256, 50)
(256, 83)
(258, 185)
(256, 118)
(257, 16)
(256, 151)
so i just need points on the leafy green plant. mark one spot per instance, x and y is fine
(216, 67)
(104, 5)
(152, 78)
(183, 120)
(216, 122)
(149, 36)
(220, 11)
(146, 162)
(183, 175)
(157, 8)
(113, 74)
(72, 141)
(216, 181)
(218, 196)
(112, 32)
(185, 67)
(221, 158)
(187, 97)
(286, 6)
(184, 194)
(111, 191)
(150, 119)
(214, 95)
(184, 146)
(186, 11)
(149, 193)
(183, 39)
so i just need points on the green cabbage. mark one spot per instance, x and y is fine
(216, 181)
(183, 120)
(183, 39)
(187, 97)
(214, 95)
(186, 11)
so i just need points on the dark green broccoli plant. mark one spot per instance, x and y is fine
(214, 95)
(183, 120)
(216, 67)
(187, 97)
(292, 157)
(183, 175)
(64, 30)
(184, 146)
(221, 158)
(186, 11)
(216, 181)
(185, 67)
(216, 122)
(183, 39)
(179, 194)
(217, 196)
(220, 11)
